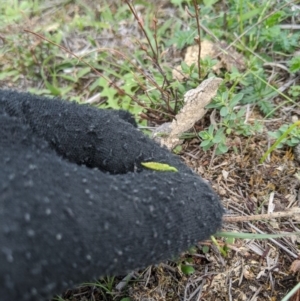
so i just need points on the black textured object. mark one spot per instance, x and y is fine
(75, 203)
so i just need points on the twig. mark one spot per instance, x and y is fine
(124, 281)
(154, 57)
(133, 11)
(271, 64)
(229, 289)
(230, 191)
(274, 241)
(155, 34)
(198, 39)
(290, 26)
(254, 297)
(258, 217)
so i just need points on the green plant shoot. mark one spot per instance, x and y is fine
(159, 166)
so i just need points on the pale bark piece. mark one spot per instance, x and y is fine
(193, 110)
(226, 58)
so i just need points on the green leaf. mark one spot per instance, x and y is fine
(275, 135)
(54, 90)
(84, 71)
(187, 269)
(250, 14)
(220, 134)
(159, 166)
(232, 116)
(205, 249)
(205, 148)
(221, 149)
(177, 149)
(68, 77)
(211, 130)
(192, 67)
(224, 111)
(107, 92)
(224, 96)
(206, 143)
(241, 113)
(230, 240)
(176, 2)
(266, 106)
(204, 135)
(7, 74)
(183, 38)
(294, 141)
(192, 250)
(214, 105)
(209, 3)
(294, 64)
(294, 91)
(236, 99)
(217, 139)
(185, 67)
(274, 19)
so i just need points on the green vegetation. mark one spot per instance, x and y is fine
(139, 78)
(292, 137)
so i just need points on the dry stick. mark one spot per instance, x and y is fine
(155, 54)
(162, 89)
(258, 217)
(198, 39)
(155, 35)
(132, 9)
(274, 241)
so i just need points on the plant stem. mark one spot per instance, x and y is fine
(198, 39)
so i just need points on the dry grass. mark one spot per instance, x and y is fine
(254, 269)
